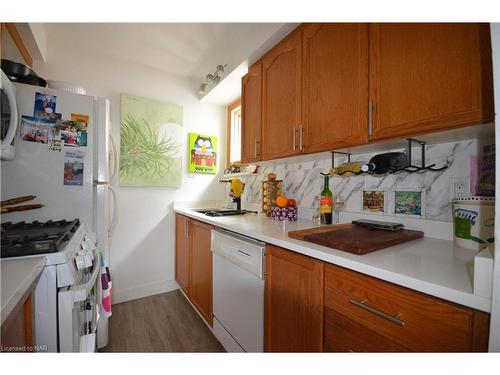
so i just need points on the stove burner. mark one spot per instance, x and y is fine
(21, 239)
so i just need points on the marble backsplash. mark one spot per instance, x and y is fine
(302, 180)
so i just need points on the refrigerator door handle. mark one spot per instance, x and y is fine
(113, 157)
(114, 217)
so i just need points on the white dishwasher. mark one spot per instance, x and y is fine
(238, 291)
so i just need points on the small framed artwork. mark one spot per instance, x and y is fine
(408, 202)
(202, 153)
(375, 201)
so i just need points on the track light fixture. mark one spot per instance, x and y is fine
(212, 79)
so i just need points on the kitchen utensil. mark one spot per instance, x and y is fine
(226, 212)
(237, 187)
(17, 200)
(12, 68)
(18, 72)
(374, 224)
(354, 238)
(25, 207)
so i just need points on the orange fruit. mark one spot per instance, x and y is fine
(281, 201)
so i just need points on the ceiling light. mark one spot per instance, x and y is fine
(212, 79)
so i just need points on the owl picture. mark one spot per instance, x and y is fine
(203, 154)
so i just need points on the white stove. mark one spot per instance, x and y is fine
(68, 292)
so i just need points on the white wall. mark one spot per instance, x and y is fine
(142, 251)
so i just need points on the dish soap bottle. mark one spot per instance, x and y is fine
(326, 201)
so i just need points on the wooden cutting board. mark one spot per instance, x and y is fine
(354, 238)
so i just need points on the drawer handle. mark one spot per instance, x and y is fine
(364, 306)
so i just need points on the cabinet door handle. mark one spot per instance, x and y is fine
(301, 132)
(186, 228)
(294, 138)
(383, 315)
(370, 118)
(256, 152)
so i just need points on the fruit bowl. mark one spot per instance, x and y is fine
(284, 213)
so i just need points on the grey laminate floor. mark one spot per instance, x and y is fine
(162, 323)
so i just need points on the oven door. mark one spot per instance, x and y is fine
(77, 311)
(9, 117)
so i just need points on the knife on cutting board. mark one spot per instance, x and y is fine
(375, 224)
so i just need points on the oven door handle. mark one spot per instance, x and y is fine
(80, 292)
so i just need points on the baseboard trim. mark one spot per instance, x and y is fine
(144, 290)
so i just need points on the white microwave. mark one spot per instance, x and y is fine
(9, 117)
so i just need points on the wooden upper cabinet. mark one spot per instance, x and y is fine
(293, 313)
(427, 77)
(251, 114)
(335, 84)
(281, 97)
(200, 286)
(182, 252)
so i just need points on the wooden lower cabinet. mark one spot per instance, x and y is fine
(193, 263)
(345, 335)
(293, 302)
(367, 314)
(18, 330)
(312, 306)
(200, 287)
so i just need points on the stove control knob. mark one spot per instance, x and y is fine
(87, 259)
(91, 245)
(91, 237)
(79, 262)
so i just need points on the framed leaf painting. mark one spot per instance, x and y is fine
(151, 137)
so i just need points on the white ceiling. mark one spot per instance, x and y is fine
(185, 49)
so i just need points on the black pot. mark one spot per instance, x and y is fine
(21, 73)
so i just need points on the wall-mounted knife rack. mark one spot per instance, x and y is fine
(410, 168)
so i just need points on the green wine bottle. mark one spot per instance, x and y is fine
(326, 201)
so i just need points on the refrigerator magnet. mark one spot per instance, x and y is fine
(73, 167)
(55, 145)
(45, 106)
(73, 133)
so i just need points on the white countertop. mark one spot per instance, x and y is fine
(18, 276)
(432, 266)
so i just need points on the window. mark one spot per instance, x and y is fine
(234, 132)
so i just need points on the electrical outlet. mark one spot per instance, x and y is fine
(459, 187)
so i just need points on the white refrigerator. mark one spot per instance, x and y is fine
(38, 170)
